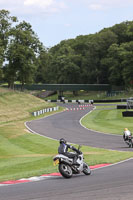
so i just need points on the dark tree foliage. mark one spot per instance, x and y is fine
(104, 57)
(6, 22)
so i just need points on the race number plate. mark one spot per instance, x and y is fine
(56, 162)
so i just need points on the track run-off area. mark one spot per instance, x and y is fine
(114, 182)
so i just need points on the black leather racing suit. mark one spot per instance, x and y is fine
(63, 149)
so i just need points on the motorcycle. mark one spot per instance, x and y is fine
(67, 168)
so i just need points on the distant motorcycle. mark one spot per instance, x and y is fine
(67, 168)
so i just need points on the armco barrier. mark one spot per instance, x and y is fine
(45, 110)
(90, 101)
(110, 101)
(127, 114)
(124, 107)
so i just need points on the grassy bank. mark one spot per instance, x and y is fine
(15, 106)
(23, 154)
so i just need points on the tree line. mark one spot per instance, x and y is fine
(100, 58)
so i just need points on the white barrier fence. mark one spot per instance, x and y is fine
(72, 101)
(45, 110)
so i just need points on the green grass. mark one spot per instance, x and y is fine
(107, 121)
(95, 156)
(16, 106)
(31, 155)
(23, 154)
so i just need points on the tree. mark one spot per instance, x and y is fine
(93, 69)
(113, 62)
(22, 54)
(121, 30)
(63, 66)
(43, 63)
(120, 63)
(127, 62)
(6, 22)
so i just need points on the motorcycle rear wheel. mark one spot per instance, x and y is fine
(86, 169)
(65, 170)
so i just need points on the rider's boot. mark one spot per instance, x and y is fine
(75, 161)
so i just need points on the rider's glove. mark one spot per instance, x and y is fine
(74, 149)
(79, 152)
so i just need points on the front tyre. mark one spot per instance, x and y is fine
(132, 143)
(86, 169)
(65, 170)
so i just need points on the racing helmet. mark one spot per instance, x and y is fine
(125, 129)
(62, 140)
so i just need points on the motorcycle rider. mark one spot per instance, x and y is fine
(126, 134)
(63, 149)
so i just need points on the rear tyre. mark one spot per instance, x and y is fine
(65, 170)
(86, 169)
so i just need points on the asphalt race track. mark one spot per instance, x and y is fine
(109, 183)
(67, 125)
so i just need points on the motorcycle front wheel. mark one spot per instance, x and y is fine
(65, 170)
(130, 143)
(86, 169)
